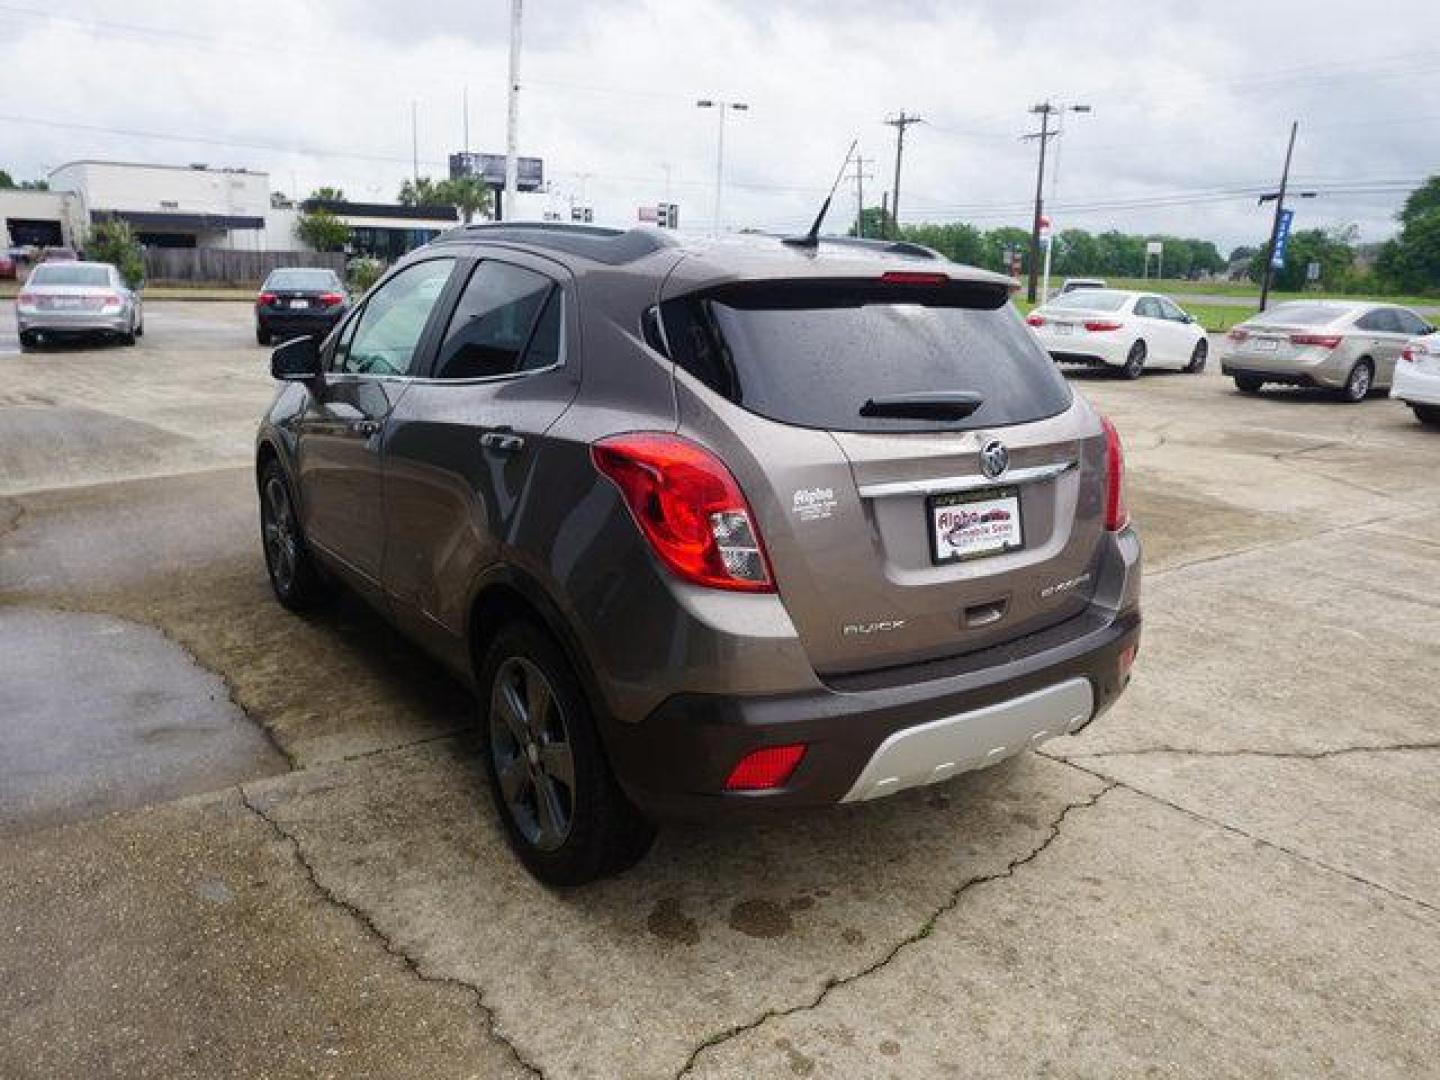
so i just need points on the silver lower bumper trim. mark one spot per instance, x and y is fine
(940, 749)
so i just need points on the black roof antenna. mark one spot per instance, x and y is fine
(812, 238)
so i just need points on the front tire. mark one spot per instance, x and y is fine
(565, 816)
(1427, 414)
(1134, 361)
(1358, 383)
(1198, 357)
(296, 579)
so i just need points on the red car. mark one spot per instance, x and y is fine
(7, 266)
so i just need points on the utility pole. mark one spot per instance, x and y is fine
(1044, 110)
(1279, 199)
(512, 117)
(860, 177)
(899, 123)
(465, 102)
(415, 141)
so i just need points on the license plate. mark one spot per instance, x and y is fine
(69, 302)
(1063, 328)
(1266, 344)
(299, 303)
(973, 524)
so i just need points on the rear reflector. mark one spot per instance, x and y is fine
(914, 277)
(1127, 661)
(1117, 516)
(1325, 341)
(1097, 326)
(688, 507)
(1035, 320)
(764, 769)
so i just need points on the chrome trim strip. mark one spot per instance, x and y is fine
(1028, 475)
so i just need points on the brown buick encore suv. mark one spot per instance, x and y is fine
(712, 528)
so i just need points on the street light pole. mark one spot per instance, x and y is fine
(720, 107)
(512, 116)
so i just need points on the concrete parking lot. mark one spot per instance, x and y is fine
(242, 843)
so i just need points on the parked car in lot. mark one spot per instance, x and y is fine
(70, 299)
(1128, 331)
(7, 266)
(298, 301)
(1347, 346)
(698, 552)
(1075, 283)
(1417, 378)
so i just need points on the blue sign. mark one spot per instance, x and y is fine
(1282, 237)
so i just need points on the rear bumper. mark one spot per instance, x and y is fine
(1414, 386)
(877, 734)
(1325, 369)
(1092, 350)
(80, 322)
(299, 323)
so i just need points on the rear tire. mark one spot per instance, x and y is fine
(262, 337)
(1427, 414)
(1198, 357)
(1359, 382)
(128, 338)
(28, 339)
(1248, 384)
(564, 815)
(297, 580)
(1134, 361)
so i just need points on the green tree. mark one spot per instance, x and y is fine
(468, 194)
(997, 242)
(1331, 250)
(421, 191)
(6, 181)
(1412, 260)
(114, 242)
(957, 241)
(322, 230)
(875, 221)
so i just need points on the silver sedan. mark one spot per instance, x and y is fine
(74, 299)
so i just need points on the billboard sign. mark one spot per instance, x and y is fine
(1282, 238)
(490, 168)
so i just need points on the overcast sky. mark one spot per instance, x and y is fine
(1192, 101)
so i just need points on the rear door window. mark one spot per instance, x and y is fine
(812, 354)
(508, 320)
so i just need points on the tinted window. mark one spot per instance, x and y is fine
(503, 310)
(1091, 300)
(812, 355)
(303, 280)
(387, 333)
(70, 274)
(1410, 323)
(1300, 313)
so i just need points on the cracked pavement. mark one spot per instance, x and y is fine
(243, 843)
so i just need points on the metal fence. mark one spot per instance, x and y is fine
(222, 266)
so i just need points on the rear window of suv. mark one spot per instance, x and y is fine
(812, 354)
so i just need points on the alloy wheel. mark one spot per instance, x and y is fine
(530, 747)
(282, 548)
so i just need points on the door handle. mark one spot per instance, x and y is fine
(365, 427)
(502, 442)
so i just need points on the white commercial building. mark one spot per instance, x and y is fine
(40, 218)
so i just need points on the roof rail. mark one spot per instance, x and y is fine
(614, 247)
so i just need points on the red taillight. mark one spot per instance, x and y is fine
(110, 300)
(1414, 352)
(914, 277)
(1097, 326)
(265, 299)
(1116, 514)
(770, 767)
(330, 299)
(26, 299)
(1238, 334)
(1126, 661)
(1035, 320)
(1325, 341)
(688, 507)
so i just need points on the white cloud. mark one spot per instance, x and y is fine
(1187, 97)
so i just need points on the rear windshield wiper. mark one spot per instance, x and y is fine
(924, 405)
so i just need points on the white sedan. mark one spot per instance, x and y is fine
(1117, 329)
(1417, 378)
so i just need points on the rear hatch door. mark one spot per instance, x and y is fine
(924, 481)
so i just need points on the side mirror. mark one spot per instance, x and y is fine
(296, 361)
(1187, 318)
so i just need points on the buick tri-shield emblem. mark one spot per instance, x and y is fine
(994, 459)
